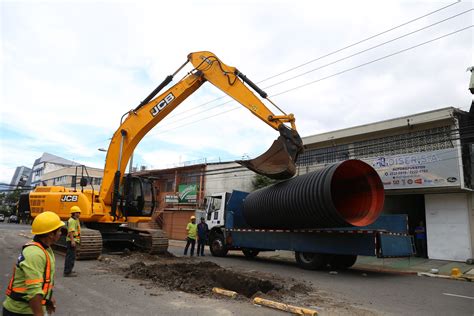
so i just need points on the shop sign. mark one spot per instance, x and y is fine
(438, 168)
(187, 193)
(171, 199)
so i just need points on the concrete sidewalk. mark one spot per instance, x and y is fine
(411, 265)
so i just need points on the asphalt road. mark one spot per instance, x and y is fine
(98, 291)
(382, 292)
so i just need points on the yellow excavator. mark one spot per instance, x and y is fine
(111, 214)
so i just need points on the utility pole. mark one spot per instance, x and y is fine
(471, 88)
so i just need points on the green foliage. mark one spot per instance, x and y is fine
(13, 197)
(8, 202)
(260, 181)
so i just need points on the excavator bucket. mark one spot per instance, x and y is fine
(279, 161)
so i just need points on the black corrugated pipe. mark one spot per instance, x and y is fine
(349, 193)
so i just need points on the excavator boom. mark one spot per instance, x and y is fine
(113, 215)
(278, 162)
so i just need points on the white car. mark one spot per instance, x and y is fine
(2, 218)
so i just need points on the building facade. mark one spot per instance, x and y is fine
(45, 164)
(21, 177)
(182, 190)
(70, 177)
(425, 161)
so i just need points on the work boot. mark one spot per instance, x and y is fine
(70, 275)
(202, 255)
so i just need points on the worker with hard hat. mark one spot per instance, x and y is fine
(191, 239)
(73, 240)
(30, 290)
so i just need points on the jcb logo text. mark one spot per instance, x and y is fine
(69, 198)
(161, 105)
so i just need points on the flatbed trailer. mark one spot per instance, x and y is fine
(314, 248)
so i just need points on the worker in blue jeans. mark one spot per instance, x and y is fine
(420, 240)
(202, 230)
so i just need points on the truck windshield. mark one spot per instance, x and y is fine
(214, 206)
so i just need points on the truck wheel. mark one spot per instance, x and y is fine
(250, 253)
(343, 261)
(311, 261)
(217, 245)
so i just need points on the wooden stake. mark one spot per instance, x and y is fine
(228, 293)
(285, 307)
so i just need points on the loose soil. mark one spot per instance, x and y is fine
(198, 277)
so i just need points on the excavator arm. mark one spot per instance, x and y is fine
(278, 162)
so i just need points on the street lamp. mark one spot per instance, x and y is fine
(130, 169)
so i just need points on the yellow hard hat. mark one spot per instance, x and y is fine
(46, 222)
(75, 209)
(193, 217)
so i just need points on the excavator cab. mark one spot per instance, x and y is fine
(137, 197)
(279, 161)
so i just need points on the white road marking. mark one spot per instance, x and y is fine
(468, 297)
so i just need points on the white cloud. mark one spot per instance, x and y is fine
(70, 70)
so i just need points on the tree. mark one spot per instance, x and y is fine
(8, 201)
(260, 181)
(13, 197)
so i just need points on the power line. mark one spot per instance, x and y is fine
(368, 49)
(373, 61)
(335, 51)
(361, 41)
(465, 132)
(326, 65)
(327, 77)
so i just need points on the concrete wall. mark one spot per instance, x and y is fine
(471, 220)
(447, 226)
(224, 178)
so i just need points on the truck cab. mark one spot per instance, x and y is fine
(215, 214)
(215, 210)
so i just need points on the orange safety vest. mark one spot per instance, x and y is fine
(17, 293)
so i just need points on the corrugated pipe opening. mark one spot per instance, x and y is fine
(345, 194)
(357, 192)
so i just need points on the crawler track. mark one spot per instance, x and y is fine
(89, 248)
(152, 241)
(91, 245)
(149, 240)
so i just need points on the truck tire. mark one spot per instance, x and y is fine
(312, 261)
(217, 245)
(343, 261)
(250, 253)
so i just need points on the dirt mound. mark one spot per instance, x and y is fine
(199, 278)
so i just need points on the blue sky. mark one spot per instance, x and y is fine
(71, 69)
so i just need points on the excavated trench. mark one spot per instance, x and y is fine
(199, 278)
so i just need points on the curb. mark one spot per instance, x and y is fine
(448, 277)
(385, 270)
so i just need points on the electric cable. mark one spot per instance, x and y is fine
(327, 77)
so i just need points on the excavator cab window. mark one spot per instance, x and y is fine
(137, 198)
